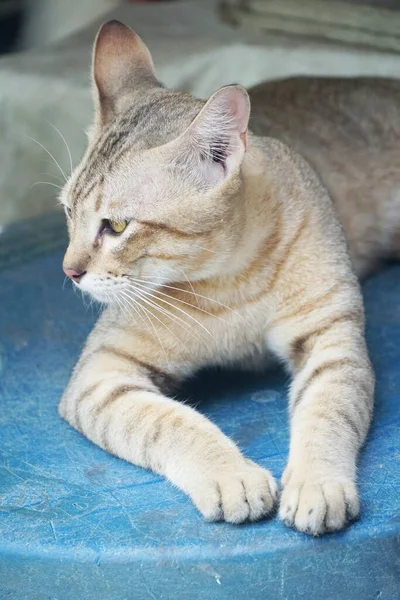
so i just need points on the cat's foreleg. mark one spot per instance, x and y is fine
(113, 401)
(330, 408)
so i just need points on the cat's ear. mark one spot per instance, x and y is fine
(121, 61)
(215, 143)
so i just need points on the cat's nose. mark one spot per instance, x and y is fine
(73, 274)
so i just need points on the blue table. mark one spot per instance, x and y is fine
(77, 523)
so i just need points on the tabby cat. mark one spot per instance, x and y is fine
(211, 245)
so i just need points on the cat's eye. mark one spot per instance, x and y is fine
(118, 226)
(68, 212)
(114, 226)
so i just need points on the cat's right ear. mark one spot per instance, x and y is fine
(121, 60)
(213, 146)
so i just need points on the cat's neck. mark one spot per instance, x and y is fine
(259, 208)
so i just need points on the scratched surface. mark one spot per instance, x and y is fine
(77, 523)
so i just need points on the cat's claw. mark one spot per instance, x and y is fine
(245, 493)
(317, 507)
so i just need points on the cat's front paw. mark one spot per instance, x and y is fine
(242, 492)
(316, 506)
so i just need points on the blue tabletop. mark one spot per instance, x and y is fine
(78, 523)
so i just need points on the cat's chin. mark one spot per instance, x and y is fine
(98, 295)
(103, 298)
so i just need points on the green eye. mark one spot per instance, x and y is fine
(118, 226)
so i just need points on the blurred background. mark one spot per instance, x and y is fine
(197, 45)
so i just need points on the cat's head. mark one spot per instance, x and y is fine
(156, 197)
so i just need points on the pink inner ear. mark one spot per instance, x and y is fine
(239, 107)
(119, 58)
(232, 105)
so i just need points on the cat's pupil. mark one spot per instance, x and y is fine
(105, 225)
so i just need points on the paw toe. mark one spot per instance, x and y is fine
(261, 494)
(245, 493)
(316, 507)
(207, 499)
(311, 510)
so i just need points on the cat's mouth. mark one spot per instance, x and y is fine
(103, 289)
(119, 291)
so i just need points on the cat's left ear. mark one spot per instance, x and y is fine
(215, 143)
(122, 64)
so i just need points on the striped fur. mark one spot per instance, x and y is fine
(226, 257)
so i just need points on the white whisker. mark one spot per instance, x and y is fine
(143, 286)
(141, 280)
(65, 142)
(203, 248)
(187, 279)
(83, 299)
(174, 318)
(135, 307)
(53, 175)
(51, 156)
(46, 183)
(180, 310)
(122, 306)
(126, 310)
(152, 324)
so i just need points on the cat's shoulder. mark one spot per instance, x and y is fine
(283, 164)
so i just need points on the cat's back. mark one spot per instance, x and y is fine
(346, 126)
(348, 129)
(355, 110)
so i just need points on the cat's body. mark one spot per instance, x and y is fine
(214, 247)
(349, 131)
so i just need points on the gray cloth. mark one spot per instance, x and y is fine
(192, 50)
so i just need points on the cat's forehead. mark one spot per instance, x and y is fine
(142, 181)
(140, 185)
(127, 147)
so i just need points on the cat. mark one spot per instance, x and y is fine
(210, 244)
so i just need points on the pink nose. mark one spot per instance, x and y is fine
(73, 274)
